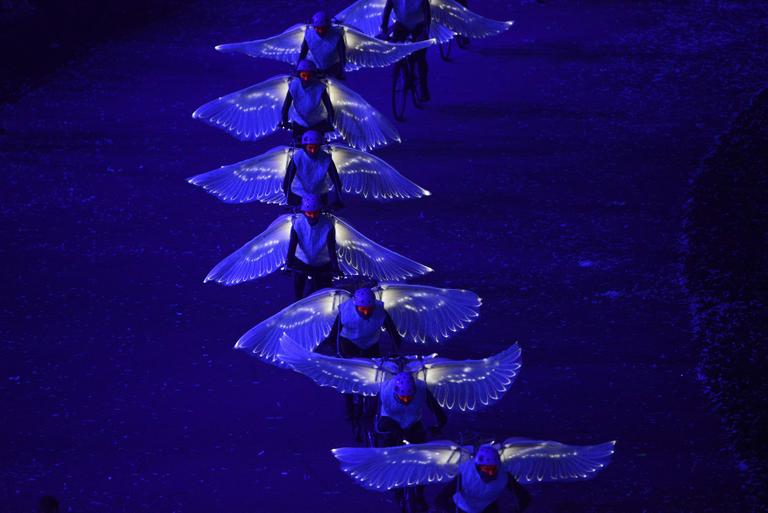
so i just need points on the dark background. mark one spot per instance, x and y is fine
(559, 156)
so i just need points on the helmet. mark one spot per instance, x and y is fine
(364, 297)
(311, 203)
(321, 19)
(405, 386)
(306, 65)
(312, 137)
(487, 455)
(487, 461)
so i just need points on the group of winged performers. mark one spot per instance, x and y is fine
(332, 333)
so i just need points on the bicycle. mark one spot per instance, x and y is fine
(404, 83)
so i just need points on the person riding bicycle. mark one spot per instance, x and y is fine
(403, 401)
(307, 105)
(324, 44)
(479, 484)
(413, 20)
(311, 170)
(358, 326)
(312, 248)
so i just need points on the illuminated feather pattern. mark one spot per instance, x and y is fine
(256, 111)
(428, 314)
(250, 113)
(357, 121)
(366, 175)
(419, 464)
(471, 384)
(456, 384)
(535, 460)
(357, 254)
(308, 321)
(256, 179)
(448, 18)
(400, 466)
(262, 255)
(261, 178)
(363, 51)
(461, 20)
(347, 375)
(360, 256)
(284, 47)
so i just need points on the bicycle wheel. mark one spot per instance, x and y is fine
(445, 50)
(413, 84)
(400, 87)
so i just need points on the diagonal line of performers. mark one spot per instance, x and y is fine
(348, 288)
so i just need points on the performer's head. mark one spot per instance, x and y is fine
(312, 140)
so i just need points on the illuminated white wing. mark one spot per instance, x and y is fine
(360, 256)
(428, 314)
(357, 121)
(249, 113)
(471, 384)
(405, 465)
(364, 51)
(308, 321)
(284, 47)
(368, 176)
(262, 255)
(538, 460)
(461, 20)
(256, 179)
(440, 33)
(347, 375)
(364, 15)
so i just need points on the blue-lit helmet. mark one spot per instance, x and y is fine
(321, 19)
(311, 205)
(488, 460)
(405, 386)
(364, 297)
(312, 137)
(306, 65)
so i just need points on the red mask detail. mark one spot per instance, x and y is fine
(405, 399)
(365, 311)
(312, 148)
(488, 470)
(321, 31)
(312, 214)
(305, 75)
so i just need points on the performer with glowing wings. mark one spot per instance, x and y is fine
(305, 241)
(419, 313)
(482, 475)
(408, 386)
(284, 174)
(333, 48)
(447, 18)
(303, 102)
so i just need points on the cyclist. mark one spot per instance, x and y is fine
(324, 44)
(311, 170)
(413, 20)
(307, 105)
(312, 247)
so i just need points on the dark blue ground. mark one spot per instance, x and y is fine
(558, 156)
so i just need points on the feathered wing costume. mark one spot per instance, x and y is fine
(418, 464)
(448, 18)
(420, 313)
(261, 178)
(362, 51)
(357, 255)
(455, 384)
(256, 111)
